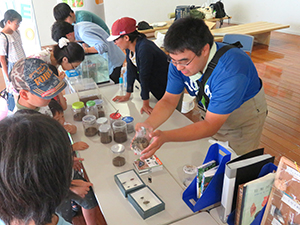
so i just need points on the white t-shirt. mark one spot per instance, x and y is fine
(15, 47)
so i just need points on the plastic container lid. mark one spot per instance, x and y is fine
(77, 105)
(90, 103)
(127, 119)
(117, 148)
(104, 128)
(189, 169)
(115, 116)
(102, 120)
(89, 119)
(98, 101)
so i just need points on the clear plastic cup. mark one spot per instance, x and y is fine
(140, 141)
(105, 133)
(118, 158)
(130, 123)
(90, 126)
(190, 173)
(120, 131)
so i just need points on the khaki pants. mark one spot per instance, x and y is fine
(244, 126)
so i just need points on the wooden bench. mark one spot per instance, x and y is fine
(260, 30)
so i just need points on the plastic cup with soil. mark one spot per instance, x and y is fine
(140, 141)
(90, 126)
(118, 155)
(120, 131)
(105, 134)
(78, 111)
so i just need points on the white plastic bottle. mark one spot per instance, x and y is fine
(121, 86)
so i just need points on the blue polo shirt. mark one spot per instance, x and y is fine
(233, 82)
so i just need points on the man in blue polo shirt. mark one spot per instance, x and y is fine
(237, 107)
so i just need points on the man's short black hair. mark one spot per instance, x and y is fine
(61, 11)
(35, 168)
(61, 29)
(188, 34)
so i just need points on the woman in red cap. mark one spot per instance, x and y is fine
(146, 63)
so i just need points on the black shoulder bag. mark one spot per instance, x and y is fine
(201, 96)
(6, 57)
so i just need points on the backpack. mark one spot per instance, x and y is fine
(218, 7)
(6, 57)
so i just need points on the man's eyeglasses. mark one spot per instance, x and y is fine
(183, 62)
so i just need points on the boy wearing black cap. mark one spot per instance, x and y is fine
(36, 84)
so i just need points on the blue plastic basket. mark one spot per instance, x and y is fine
(213, 192)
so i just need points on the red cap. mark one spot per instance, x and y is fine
(122, 26)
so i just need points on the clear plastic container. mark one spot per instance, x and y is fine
(90, 126)
(190, 171)
(118, 158)
(130, 123)
(120, 131)
(100, 121)
(100, 107)
(78, 110)
(91, 108)
(141, 140)
(114, 116)
(105, 133)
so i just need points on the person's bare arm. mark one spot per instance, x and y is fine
(88, 49)
(62, 101)
(124, 98)
(162, 111)
(80, 187)
(202, 129)
(4, 66)
(146, 107)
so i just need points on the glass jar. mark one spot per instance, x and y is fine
(105, 133)
(141, 140)
(90, 125)
(190, 171)
(118, 155)
(114, 116)
(78, 110)
(100, 107)
(120, 131)
(91, 108)
(130, 123)
(100, 121)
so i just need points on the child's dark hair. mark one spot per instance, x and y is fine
(10, 15)
(73, 51)
(35, 168)
(134, 35)
(55, 107)
(53, 68)
(61, 11)
(26, 111)
(61, 29)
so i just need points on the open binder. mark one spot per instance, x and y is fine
(213, 192)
